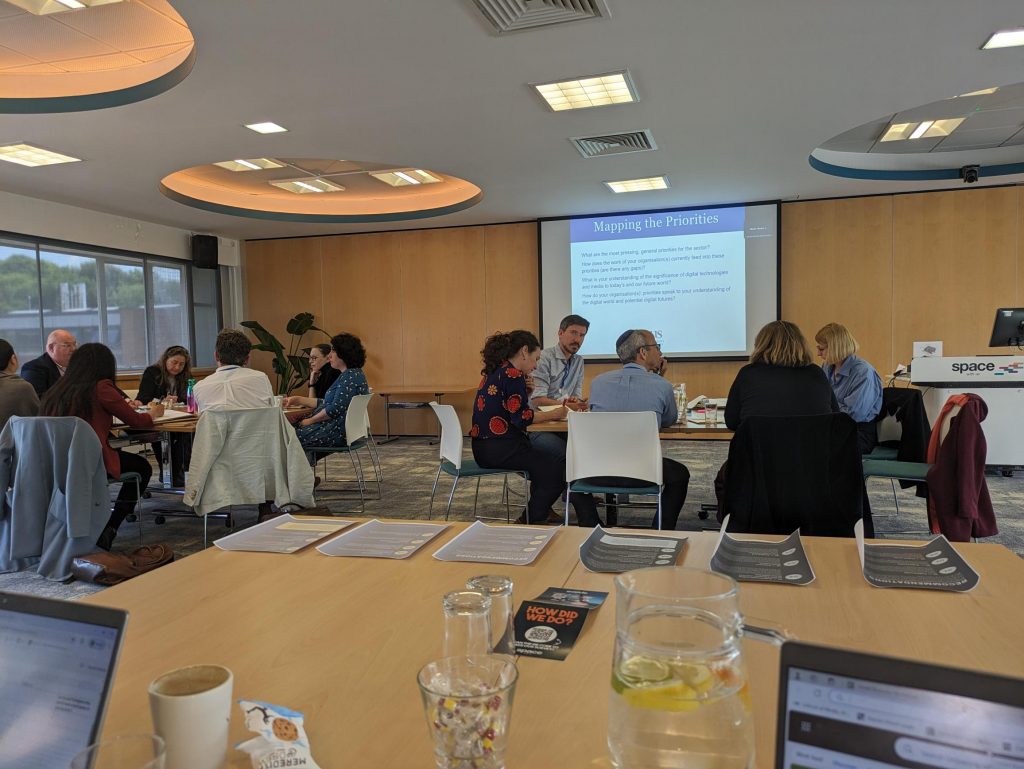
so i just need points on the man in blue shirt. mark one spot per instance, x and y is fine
(638, 386)
(558, 378)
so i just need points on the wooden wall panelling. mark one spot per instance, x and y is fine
(955, 261)
(837, 266)
(443, 306)
(363, 296)
(1019, 302)
(510, 265)
(282, 278)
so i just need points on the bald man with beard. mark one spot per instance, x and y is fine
(46, 370)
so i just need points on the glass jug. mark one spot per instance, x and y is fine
(678, 693)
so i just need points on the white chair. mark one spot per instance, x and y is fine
(613, 444)
(454, 465)
(246, 456)
(357, 433)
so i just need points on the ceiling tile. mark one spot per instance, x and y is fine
(48, 68)
(127, 26)
(157, 52)
(97, 63)
(989, 137)
(9, 58)
(47, 40)
(993, 118)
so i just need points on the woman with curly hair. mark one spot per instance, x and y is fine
(501, 414)
(326, 425)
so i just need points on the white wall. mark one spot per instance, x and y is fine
(31, 216)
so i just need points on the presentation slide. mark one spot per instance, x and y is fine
(702, 280)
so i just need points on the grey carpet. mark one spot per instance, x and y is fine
(409, 467)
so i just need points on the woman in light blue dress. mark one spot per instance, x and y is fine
(326, 425)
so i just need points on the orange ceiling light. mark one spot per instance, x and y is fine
(348, 191)
(97, 56)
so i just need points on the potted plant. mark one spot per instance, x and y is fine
(291, 366)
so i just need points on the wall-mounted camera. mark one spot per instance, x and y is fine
(970, 174)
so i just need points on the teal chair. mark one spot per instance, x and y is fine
(454, 465)
(136, 479)
(895, 471)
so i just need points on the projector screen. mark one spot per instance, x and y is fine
(703, 280)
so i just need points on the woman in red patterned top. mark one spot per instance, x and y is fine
(501, 414)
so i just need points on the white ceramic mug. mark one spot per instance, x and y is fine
(191, 710)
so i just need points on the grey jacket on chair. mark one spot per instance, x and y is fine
(55, 501)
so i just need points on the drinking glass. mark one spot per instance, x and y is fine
(130, 751)
(679, 693)
(710, 414)
(499, 590)
(468, 705)
(467, 625)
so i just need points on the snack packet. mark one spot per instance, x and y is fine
(281, 742)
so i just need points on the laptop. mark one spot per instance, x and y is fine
(845, 710)
(57, 661)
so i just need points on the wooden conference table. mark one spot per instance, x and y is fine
(341, 639)
(684, 431)
(405, 402)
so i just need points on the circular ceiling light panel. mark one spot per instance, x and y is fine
(319, 191)
(970, 136)
(75, 55)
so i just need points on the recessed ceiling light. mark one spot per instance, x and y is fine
(595, 91)
(255, 164)
(1005, 38)
(977, 93)
(312, 184)
(927, 129)
(639, 185)
(266, 128)
(44, 7)
(27, 155)
(405, 177)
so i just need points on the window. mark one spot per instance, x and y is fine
(136, 305)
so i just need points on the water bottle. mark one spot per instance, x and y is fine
(680, 393)
(190, 397)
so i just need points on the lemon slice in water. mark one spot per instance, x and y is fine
(673, 697)
(640, 670)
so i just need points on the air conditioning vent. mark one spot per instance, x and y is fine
(516, 15)
(614, 144)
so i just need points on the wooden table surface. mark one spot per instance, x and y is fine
(188, 424)
(341, 639)
(678, 432)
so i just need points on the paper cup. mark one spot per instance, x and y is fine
(191, 710)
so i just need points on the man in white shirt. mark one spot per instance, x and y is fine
(232, 385)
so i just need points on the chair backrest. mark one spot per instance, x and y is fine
(246, 456)
(617, 444)
(357, 419)
(56, 502)
(451, 433)
(802, 472)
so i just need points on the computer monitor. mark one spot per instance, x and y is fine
(57, 661)
(839, 708)
(1008, 328)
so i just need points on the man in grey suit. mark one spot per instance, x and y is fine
(46, 370)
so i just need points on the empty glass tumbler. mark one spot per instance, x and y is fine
(499, 590)
(678, 695)
(467, 624)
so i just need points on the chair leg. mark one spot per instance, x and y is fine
(138, 508)
(376, 471)
(451, 496)
(895, 498)
(504, 496)
(357, 467)
(476, 495)
(433, 490)
(567, 495)
(659, 509)
(372, 447)
(205, 542)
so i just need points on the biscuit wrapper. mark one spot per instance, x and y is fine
(281, 741)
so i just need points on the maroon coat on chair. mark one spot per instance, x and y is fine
(959, 505)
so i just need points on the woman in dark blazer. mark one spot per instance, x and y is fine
(167, 381)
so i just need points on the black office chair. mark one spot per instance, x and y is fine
(786, 473)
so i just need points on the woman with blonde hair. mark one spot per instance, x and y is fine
(780, 380)
(857, 386)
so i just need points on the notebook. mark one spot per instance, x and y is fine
(57, 661)
(857, 711)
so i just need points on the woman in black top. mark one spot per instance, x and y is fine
(165, 380)
(321, 375)
(781, 379)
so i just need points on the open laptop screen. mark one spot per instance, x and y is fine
(841, 710)
(56, 664)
